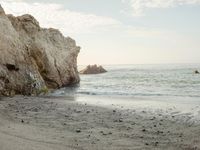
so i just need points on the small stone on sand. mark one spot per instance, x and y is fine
(78, 130)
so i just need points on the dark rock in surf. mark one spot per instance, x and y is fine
(93, 69)
(196, 72)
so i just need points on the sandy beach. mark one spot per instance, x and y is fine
(99, 75)
(49, 123)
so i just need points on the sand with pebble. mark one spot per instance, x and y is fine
(52, 123)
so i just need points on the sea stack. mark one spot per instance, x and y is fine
(34, 59)
(93, 69)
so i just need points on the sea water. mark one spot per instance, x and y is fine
(166, 80)
(143, 81)
(152, 86)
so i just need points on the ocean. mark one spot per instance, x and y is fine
(140, 81)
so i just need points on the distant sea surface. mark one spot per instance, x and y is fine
(140, 81)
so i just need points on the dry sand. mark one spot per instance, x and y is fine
(36, 123)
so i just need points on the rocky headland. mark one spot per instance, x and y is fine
(34, 59)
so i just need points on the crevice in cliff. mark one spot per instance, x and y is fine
(12, 67)
(50, 83)
(55, 64)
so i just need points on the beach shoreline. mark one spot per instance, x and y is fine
(63, 123)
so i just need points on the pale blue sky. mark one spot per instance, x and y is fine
(122, 31)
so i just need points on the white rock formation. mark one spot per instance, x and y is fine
(33, 59)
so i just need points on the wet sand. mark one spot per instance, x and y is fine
(50, 123)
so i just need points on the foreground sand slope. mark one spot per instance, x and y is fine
(61, 123)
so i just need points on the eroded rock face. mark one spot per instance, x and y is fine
(1, 10)
(33, 59)
(93, 69)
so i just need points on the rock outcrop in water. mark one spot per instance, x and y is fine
(196, 72)
(34, 59)
(93, 69)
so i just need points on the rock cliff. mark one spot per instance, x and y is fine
(34, 59)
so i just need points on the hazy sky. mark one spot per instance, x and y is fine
(122, 31)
